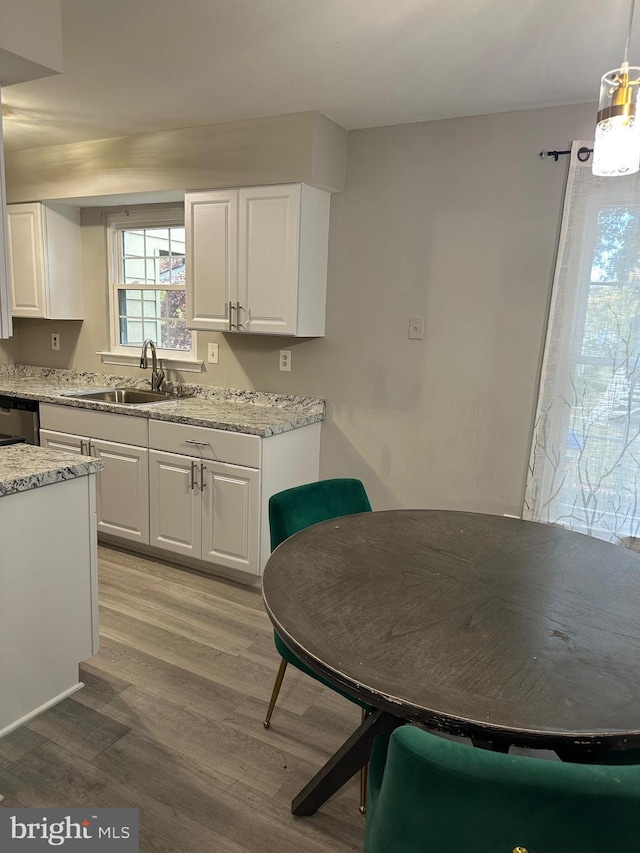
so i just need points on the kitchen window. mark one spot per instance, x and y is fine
(147, 283)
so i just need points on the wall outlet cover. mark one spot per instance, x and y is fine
(285, 360)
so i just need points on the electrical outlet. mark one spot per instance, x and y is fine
(55, 340)
(285, 360)
(212, 354)
(416, 328)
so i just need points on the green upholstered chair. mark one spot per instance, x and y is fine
(289, 512)
(432, 795)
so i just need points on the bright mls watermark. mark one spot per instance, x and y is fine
(102, 830)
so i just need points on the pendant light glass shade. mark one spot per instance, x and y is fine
(617, 144)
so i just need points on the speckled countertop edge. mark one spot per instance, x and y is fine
(253, 412)
(24, 467)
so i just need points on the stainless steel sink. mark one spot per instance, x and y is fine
(122, 396)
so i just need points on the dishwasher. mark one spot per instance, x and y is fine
(19, 420)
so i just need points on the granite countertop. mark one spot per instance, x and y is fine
(24, 467)
(254, 412)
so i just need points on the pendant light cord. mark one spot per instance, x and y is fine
(626, 49)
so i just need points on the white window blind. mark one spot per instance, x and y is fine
(584, 470)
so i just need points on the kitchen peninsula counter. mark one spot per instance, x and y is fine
(48, 578)
(253, 412)
(24, 467)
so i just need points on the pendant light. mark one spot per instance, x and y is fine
(616, 149)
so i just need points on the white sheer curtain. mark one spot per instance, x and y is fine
(584, 470)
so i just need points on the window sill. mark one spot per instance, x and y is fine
(184, 364)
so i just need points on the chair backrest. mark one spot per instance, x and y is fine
(294, 509)
(440, 796)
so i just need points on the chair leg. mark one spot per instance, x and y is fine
(363, 780)
(274, 694)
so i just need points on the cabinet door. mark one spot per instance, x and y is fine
(123, 490)
(6, 327)
(268, 240)
(61, 441)
(230, 516)
(26, 260)
(175, 510)
(211, 232)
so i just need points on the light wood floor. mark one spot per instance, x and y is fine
(170, 721)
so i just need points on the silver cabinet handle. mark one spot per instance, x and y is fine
(239, 325)
(82, 450)
(197, 443)
(202, 473)
(193, 475)
(232, 308)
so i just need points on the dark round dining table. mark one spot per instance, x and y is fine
(505, 631)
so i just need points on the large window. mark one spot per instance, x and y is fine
(585, 460)
(147, 281)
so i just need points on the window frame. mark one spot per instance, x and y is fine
(115, 223)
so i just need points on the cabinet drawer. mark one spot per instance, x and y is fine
(221, 445)
(110, 427)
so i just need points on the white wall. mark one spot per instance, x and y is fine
(454, 220)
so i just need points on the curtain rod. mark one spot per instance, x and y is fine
(583, 154)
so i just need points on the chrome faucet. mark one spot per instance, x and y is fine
(157, 373)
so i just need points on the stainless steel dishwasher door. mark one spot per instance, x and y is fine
(19, 419)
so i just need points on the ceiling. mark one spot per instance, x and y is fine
(132, 66)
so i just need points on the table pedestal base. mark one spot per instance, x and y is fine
(352, 755)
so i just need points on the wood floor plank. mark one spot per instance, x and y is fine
(17, 744)
(80, 729)
(53, 776)
(224, 590)
(178, 598)
(194, 691)
(295, 733)
(172, 725)
(222, 805)
(238, 754)
(245, 673)
(100, 687)
(228, 627)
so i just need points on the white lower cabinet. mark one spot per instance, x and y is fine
(196, 492)
(175, 504)
(123, 490)
(122, 485)
(205, 510)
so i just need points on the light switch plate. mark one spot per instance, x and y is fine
(416, 328)
(212, 353)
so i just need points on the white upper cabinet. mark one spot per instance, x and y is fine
(45, 261)
(6, 326)
(211, 226)
(257, 260)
